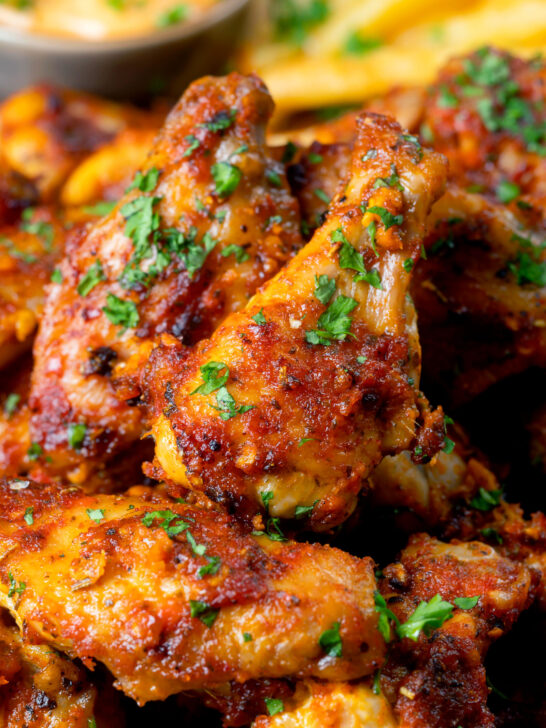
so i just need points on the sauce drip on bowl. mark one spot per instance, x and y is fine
(97, 20)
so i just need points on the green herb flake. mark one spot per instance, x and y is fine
(213, 379)
(322, 196)
(221, 121)
(56, 276)
(387, 218)
(370, 154)
(76, 435)
(29, 516)
(14, 587)
(426, 618)
(334, 323)
(121, 312)
(273, 178)
(194, 144)
(259, 318)
(95, 514)
(170, 522)
(172, 16)
(100, 209)
(213, 567)
(314, 158)
(486, 500)
(393, 180)
(358, 45)
(204, 612)
(146, 182)
(226, 178)
(10, 405)
(247, 637)
(237, 250)
(466, 602)
(274, 706)
(408, 265)
(304, 511)
(92, 278)
(227, 406)
(325, 288)
(331, 642)
(34, 451)
(507, 191)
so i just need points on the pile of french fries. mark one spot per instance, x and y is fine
(317, 53)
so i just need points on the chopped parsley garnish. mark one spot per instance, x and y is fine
(507, 191)
(34, 451)
(29, 516)
(426, 618)
(120, 312)
(204, 612)
(186, 247)
(486, 500)
(331, 642)
(273, 178)
(227, 406)
(466, 602)
(146, 182)
(56, 276)
(387, 218)
(357, 45)
(15, 588)
(449, 445)
(92, 278)
(393, 180)
(226, 178)
(10, 405)
(213, 566)
(220, 121)
(237, 250)
(259, 318)
(194, 144)
(198, 549)
(41, 229)
(304, 511)
(314, 158)
(100, 209)
(289, 153)
(76, 435)
(527, 270)
(362, 359)
(493, 534)
(172, 16)
(95, 514)
(170, 522)
(247, 637)
(447, 99)
(350, 258)
(212, 376)
(408, 265)
(324, 288)
(334, 323)
(376, 687)
(322, 196)
(272, 528)
(274, 705)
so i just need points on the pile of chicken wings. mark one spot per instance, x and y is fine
(240, 482)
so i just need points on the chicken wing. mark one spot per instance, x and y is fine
(171, 597)
(206, 221)
(46, 131)
(39, 688)
(316, 395)
(439, 679)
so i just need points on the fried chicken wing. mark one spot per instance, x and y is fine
(170, 597)
(331, 705)
(439, 679)
(39, 688)
(208, 219)
(293, 401)
(46, 131)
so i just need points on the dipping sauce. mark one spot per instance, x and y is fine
(99, 19)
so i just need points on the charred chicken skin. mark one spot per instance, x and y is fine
(295, 399)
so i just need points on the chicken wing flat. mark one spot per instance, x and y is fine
(294, 400)
(207, 220)
(435, 674)
(46, 131)
(39, 688)
(171, 598)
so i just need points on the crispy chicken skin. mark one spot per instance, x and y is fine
(485, 113)
(317, 415)
(104, 581)
(440, 680)
(46, 131)
(179, 253)
(331, 705)
(39, 688)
